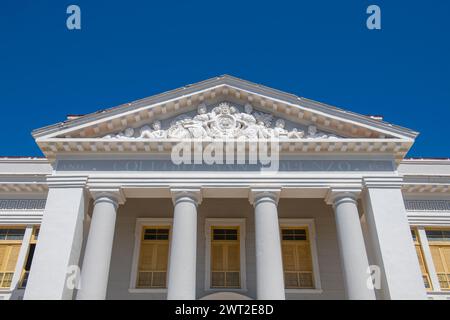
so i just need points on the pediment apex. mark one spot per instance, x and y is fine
(305, 113)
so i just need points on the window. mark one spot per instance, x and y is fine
(439, 242)
(153, 257)
(225, 253)
(420, 256)
(225, 257)
(297, 258)
(10, 243)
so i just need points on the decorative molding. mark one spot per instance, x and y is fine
(429, 219)
(428, 188)
(29, 186)
(95, 146)
(22, 204)
(21, 217)
(427, 205)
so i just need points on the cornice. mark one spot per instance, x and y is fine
(396, 147)
(23, 183)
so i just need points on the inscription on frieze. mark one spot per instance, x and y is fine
(168, 165)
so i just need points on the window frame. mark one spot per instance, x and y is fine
(421, 227)
(419, 241)
(225, 222)
(438, 243)
(309, 225)
(141, 224)
(23, 252)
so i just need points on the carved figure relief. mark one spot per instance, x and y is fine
(223, 121)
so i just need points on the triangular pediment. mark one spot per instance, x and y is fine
(224, 107)
(223, 120)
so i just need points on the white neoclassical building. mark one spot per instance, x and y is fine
(148, 203)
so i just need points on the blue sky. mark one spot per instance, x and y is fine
(319, 49)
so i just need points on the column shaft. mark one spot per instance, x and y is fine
(354, 261)
(269, 265)
(97, 257)
(183, 250)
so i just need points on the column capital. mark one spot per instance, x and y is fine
(258, 193)
(193, 194)
(114, 194)
(335, 194)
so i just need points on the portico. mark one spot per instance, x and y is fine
(257, 205)
(304, 204)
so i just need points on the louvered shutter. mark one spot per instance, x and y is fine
(153, 259)
(297, 259)
(232, 267)
(3, 256)
(13, 256)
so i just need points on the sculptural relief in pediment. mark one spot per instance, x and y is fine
(223, 121)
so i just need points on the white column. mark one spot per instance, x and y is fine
(269, 264)
(97, 255)
(60, 240)
(183, 249)
(391, 239)
(22, 258)
(423, 240)
(353, 254)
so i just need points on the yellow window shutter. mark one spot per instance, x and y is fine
(13, 256)
(304, 257)
(288, 257)
(225, 258)
(162, 256)
(233, 257)
(446, 256)
(153, 258)
(437, 259)
(146, 256)
(217, 255)
(3, 254)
